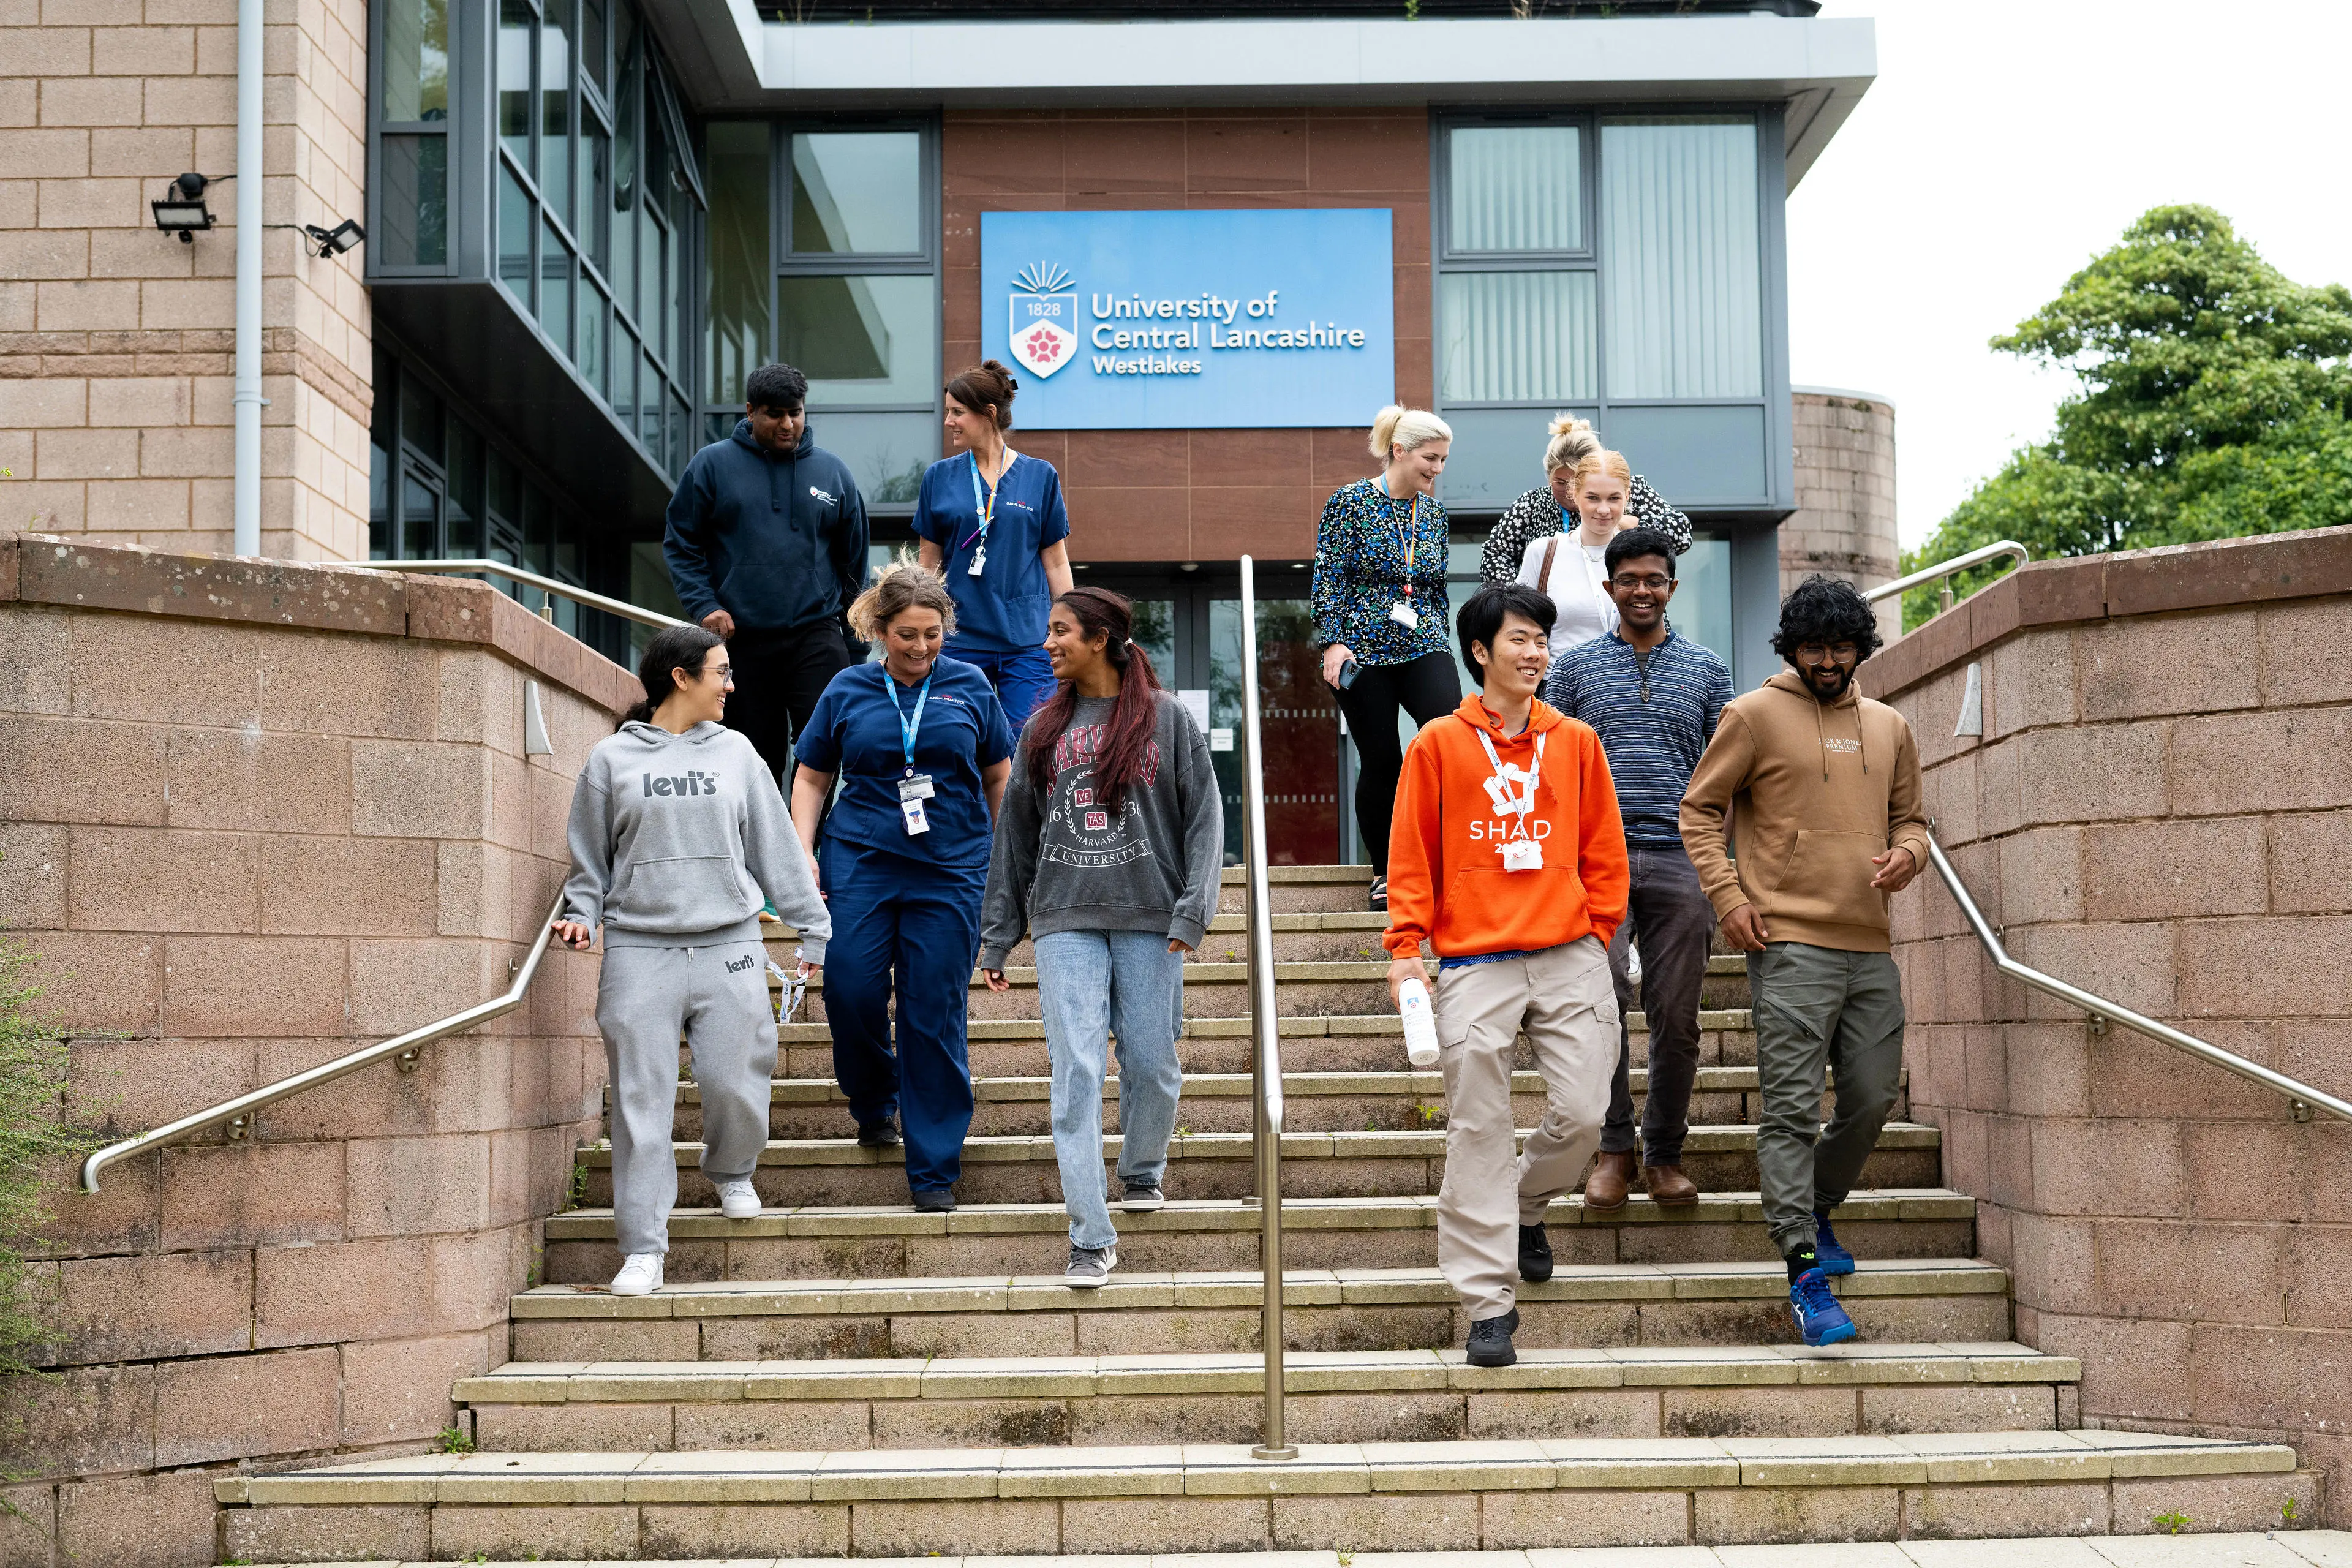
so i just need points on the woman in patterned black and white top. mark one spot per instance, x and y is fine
(1550, 508)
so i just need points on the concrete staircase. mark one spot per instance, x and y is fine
(841, 1376)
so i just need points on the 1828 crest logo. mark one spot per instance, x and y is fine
(1044, 326)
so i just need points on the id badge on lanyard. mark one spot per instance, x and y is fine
(914, 788)
(1408, 542)
(1512, 789)
(984, 504)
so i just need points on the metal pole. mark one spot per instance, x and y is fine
(1266, 1058)
(245, 494)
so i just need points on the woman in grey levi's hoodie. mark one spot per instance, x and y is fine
(1108, 851)
(677, 835)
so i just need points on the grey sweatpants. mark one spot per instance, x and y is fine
(719, 997)
(1815, 1008)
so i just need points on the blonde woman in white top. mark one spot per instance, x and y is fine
(1568, 567)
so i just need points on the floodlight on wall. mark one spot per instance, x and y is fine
(183, 211)
(336, 240)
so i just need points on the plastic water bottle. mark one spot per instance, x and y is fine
(1419, 1024)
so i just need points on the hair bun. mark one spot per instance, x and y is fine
(1567, 424)
(997, 367)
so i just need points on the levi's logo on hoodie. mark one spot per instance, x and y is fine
(689, 783)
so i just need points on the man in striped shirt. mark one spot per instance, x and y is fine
(1653, 698)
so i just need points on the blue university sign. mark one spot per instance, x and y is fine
(1122, 320)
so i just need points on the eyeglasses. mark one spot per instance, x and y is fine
(1840, 653)
(726, 674)
(1653, 582)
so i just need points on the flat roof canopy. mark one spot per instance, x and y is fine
(733, 62)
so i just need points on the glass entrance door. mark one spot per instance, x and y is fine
(1301, 725)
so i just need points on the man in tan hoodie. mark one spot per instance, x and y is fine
(1820, 786)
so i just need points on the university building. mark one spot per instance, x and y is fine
(587, 220)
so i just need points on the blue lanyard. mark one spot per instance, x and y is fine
(983, 499)
(908, 725)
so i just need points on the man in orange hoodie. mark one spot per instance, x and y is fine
(1506, 856)
(1821, 787)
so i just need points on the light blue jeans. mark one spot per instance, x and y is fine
(1088, 981)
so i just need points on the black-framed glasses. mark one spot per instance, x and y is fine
(1837, 652)
(1654, 582)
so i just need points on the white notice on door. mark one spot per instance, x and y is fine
(1196, 703)
(1221, 739)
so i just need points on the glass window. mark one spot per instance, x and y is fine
(591, 353)
(649, 406)
(378, 499)
(596, 192)
(555, 288)
(555, 111)
(462, 506)
(416, 60)
(737, 235)
(1702, 609)
(420, 516)
(624, 377)
(1517, 337)
(420, 417)
(591, 42)
(1514, 187)
(505, 491)
(514, 235)
(538, 532)
(1681, 249)
(857, 192)
(517, 28)
(861, 340)
(415, 205)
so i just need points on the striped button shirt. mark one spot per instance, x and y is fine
(1651, 745)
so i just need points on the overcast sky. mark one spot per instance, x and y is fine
(2006, 143)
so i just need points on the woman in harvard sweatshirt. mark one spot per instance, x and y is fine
(678, 836)
(1108, 851)
(1508, 857)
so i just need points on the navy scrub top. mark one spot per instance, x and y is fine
(1003, 609)
(855, 732)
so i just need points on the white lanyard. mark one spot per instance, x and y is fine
(1513, 788)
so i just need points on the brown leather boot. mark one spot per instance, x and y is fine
(1605, 1188)
(1669, 1188)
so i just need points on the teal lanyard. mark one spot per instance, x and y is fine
(983, 499)
(908, 723)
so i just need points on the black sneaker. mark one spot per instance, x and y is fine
(1380, 896)
(1090, 1266)
(1142, 1197)
(1534, 1253)
(882, 1134)
(1490, 1340)
(934, 1200)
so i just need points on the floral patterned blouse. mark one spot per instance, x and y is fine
(1359, 572)
(1536, 515)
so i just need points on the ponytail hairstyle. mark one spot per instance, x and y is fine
(1407, 429)
(672, 648)
(985, 386)
(1571, 440)
(1126, 739)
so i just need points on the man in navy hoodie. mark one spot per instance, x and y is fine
(766, 547)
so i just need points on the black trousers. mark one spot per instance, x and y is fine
(1670, 917)
(779, 676)
(1427, 688)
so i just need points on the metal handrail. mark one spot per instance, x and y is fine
(1945, 570)
(2301, 1098)
(237, 1113)
(620, 607)
(1266, 1059)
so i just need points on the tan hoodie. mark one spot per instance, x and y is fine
(1812, 792)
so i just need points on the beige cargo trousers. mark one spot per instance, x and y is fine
(1566, 1002)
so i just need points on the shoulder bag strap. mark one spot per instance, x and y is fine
(1543, 573)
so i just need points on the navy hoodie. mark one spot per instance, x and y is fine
(778, 543)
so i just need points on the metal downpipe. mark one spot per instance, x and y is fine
(250, 184)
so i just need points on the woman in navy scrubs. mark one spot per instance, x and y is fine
(922, 750)
(991, 524)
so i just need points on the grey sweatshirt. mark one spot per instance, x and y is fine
(1067, 863)
(675, 838)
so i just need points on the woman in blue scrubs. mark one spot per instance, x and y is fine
(922, 750)
(993, 524)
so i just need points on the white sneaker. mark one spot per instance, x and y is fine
(640, 1275)
(736, 1200)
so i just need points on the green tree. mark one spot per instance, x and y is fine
(2214, 402)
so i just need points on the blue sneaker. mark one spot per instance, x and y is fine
(1834, 1258)
(1819, 1317)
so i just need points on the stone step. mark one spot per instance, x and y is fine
(2287, 1547)
(1220, 1102)
(1300, 889)
(893, 1242)
(1334, 1396)
(1341, 1042)
(1022, 1169)
(1404, 1495)
(1350, 1308)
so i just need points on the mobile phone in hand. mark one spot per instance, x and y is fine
(1349, 670)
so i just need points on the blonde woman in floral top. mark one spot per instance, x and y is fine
(1381, 611)
(1550, 508)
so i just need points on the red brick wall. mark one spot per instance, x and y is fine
(2160, 811)
(1193, 495)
